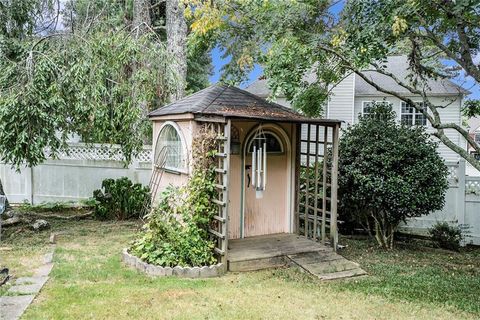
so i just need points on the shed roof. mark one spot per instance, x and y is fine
(232, 102)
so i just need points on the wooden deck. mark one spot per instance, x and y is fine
(280, 250)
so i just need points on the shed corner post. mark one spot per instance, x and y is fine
(226, 182)
(298, 137)
(334, 190)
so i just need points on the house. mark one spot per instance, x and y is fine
(261, 193)
(474, 132)
(353, 96)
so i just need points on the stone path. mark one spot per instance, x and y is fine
(22, 293)
(326, 265)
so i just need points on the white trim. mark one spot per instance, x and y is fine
(414, 114)
(353, 99)
(182, 141)
(289, 193)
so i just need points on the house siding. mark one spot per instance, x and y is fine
(341, 101)
(451, 113)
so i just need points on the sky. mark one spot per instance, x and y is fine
(218, 61)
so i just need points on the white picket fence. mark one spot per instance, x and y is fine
(74, 175)
(462, 206)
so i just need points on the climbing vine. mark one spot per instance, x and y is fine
(176, 230)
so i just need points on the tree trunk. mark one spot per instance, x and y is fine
(177, 44)
(141, 16)
(7, 205)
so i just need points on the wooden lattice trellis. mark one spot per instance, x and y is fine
(317, 179)
(219, 226)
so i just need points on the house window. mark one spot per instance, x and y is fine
(368, 105)
(169, 151)
(409, 115)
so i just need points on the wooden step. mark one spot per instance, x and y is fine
(258, 264)
(342, 274)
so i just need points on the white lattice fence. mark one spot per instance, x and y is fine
(82, 151)
(472, 185)
(74, 174)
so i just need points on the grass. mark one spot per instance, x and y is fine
(417, 273)
(89, 282)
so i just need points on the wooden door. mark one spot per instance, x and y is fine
(267, 215)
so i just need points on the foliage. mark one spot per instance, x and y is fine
(120, 199)
(446, 236)
(388, 172)
(84, 84)
(305, 49)
(176, 230)
(119, 14)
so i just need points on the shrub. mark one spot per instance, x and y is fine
(388, 172)
(176, 230)
(446, 236)
(120, 199)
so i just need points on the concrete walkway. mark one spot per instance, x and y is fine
(22, 293)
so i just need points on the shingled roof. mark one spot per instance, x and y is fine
(232, 102)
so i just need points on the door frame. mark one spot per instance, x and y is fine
(280, 131)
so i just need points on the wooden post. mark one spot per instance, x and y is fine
(334, 186)
(324, 183)
(225, 182)
(316, 184)
(307, 182)
(298, 148)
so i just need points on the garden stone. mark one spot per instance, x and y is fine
(168, 271)
(155, 271)
(40, 225)
(179, 271)
(193, 272)
(140, 265)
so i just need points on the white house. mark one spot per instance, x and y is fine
(352, 97)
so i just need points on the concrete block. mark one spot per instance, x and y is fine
(179, 271)
(168, 271)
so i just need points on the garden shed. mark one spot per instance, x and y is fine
(276, 169)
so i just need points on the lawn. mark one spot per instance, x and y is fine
(89, 282)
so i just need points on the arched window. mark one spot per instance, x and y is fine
(274, 144)
(169, 148)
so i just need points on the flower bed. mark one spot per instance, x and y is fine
(183, 272)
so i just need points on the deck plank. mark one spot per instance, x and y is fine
(277, 250)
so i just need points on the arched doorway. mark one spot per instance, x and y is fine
(268, 213)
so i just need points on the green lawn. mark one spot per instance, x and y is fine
(89, 282)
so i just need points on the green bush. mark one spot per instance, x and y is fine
(388, 172)
(446, 236)
(176, 232)
(120, 199)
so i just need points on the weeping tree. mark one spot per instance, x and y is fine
(87, 83)
(388, 172)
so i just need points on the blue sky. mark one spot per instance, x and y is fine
(467, 83)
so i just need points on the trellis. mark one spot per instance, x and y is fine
(317, 170)
(219, 225)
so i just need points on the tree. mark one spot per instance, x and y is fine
(388, 173)
(177, 43)
(297, 39)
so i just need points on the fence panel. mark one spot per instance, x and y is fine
(74, 175)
